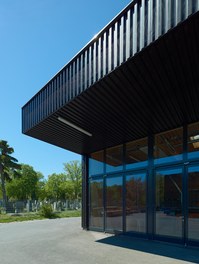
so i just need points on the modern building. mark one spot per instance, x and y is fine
(128, 102)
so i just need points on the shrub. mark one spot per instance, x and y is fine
(2, 210)
(46, 211)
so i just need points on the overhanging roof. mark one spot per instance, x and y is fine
(156, 90)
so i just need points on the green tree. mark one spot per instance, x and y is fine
(1, 196)
(74, 175)
(27, 185)
(40, 191)
(58, 187)
(8, 167)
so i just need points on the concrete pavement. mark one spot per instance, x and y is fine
(61, 241)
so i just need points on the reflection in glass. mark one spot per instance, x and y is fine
(136, 203)
(193, 204)
(114, 203)
(169, 202)
(193, 141)
(168, 146)
(136, 155)
(96, 203)
(96, 163)
(114, 159)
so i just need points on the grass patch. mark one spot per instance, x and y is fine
(69, 213)
(8, 218)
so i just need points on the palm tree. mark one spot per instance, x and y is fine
(8, 167)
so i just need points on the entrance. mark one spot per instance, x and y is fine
(135, 198)
(114, 204)
(169, 217)
(177, 204)
(118, 203)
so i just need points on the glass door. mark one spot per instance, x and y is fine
(114, 204)
(96, 204)
(169, 218)
(193, 203)
(136, 202)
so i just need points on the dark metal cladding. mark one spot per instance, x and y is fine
(85, 193)
(139, 75)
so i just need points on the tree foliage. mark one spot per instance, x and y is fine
(58, 187)
(22, 182)
(74, 174)
(8, 167)
(65, 185)
(27, 185)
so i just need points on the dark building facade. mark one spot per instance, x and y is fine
(128, 103)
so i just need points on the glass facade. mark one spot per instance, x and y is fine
(114, 204)
(136, 154)
(96, 163)
(193, 141)
(136, 202)
(193, 202)
(168, 146)
(114, 159)
(169, 202)
(96, 206)
(127, 180)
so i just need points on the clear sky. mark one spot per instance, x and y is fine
(37, 38)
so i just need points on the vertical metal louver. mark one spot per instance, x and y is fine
(140, 23)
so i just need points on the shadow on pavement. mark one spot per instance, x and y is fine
(174, 251)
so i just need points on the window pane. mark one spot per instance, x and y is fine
(114, 159)
(96, 204)
(193, 141)
(114, 203)
(136, 202)
(169, 202)
(168, 146)
(136, 155)
(193, 196)
(96, 163)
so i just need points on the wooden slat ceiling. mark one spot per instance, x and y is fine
(156, 90)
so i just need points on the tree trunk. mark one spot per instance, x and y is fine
(3, 188)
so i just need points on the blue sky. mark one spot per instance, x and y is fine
(37, 38)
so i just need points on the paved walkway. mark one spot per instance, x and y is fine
(62, 241)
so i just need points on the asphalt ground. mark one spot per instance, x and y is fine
(61, 241)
